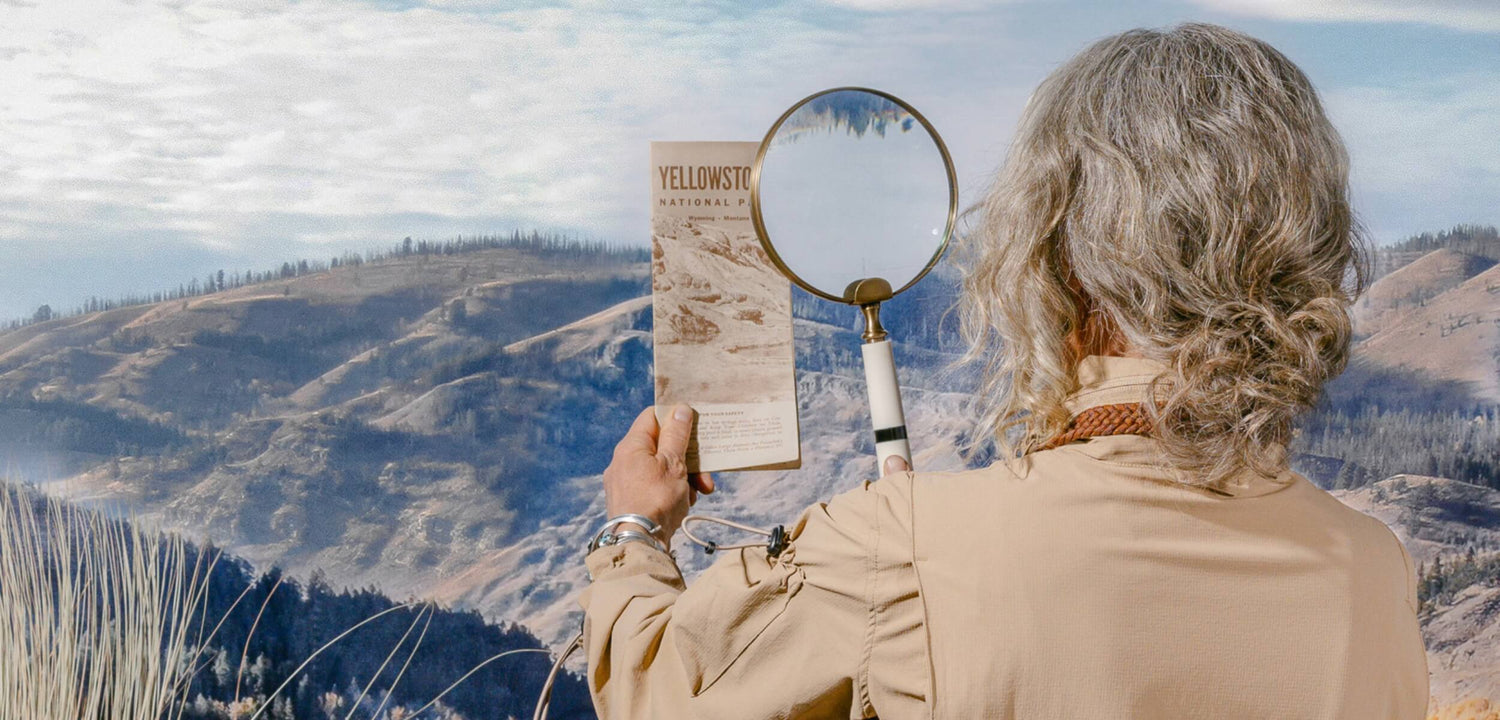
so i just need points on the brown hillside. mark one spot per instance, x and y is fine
(1451, 336)
(1392, 296)
(196, 363)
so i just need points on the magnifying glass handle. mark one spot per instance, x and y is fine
(885, 402)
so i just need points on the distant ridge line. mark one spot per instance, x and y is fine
(544, 243)
(1471, 239)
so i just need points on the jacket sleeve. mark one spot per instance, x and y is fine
(753, 637)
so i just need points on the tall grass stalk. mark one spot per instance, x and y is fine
(97, 620)
(95, 615)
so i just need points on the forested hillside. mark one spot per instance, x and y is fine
(1421, 396)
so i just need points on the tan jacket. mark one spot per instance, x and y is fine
(1082, 584)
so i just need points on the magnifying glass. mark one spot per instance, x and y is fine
(854, 197)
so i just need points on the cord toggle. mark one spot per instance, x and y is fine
(779, 541)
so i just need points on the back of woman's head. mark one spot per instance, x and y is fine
(1184, 189)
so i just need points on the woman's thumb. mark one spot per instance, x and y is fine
(675, 432)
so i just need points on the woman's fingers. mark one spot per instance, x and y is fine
(702, 482)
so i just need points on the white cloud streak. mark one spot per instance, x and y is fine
(908, 5)
(1468, 15)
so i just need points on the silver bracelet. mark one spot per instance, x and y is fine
(625, 536)
(642, 520)
(606, 536)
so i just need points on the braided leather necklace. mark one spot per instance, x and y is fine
(1116, 419)
(1101, 420)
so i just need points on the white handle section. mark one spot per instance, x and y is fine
(885, 403)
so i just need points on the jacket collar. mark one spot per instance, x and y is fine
(1108, 380)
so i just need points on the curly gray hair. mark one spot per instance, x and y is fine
(1184, 191)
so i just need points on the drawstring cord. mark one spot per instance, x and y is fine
(545, 699)
(777, 543)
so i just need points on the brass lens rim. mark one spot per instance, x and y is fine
(759, 220)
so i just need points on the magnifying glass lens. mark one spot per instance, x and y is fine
(852, 185)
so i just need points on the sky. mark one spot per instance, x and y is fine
(146, 143)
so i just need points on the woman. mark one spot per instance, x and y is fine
(1159, 285)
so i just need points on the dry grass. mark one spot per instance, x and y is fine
(96, 616)
(108, 619)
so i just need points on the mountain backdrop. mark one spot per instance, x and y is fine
(432, 420)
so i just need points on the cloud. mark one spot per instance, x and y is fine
(1468, 15)
(236, 130)
(219, 118)
(906, 5)
(247, 132)
(212, 113)
(1420, 151)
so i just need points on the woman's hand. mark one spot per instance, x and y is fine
(648, 475)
